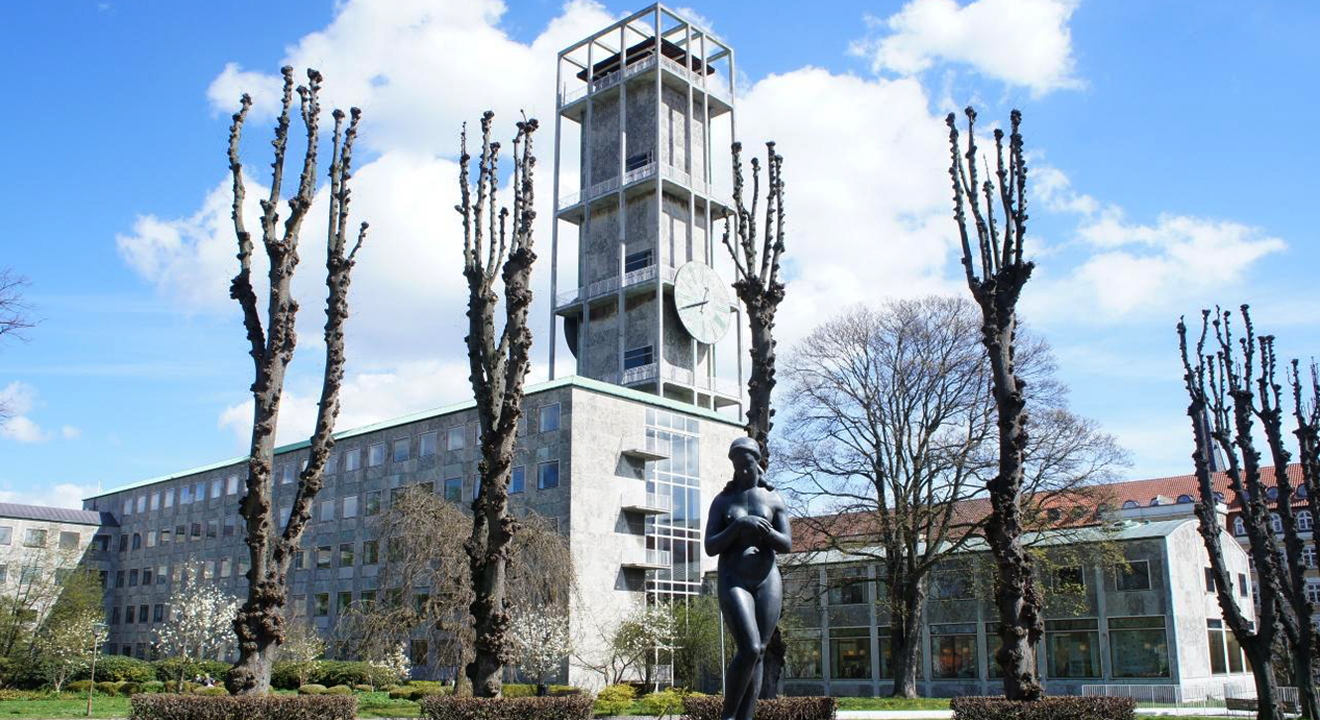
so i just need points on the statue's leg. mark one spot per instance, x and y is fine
(739, 611)
(769, 600)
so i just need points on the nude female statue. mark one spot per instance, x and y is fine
(747, 526)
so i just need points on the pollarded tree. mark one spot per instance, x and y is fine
(760, 289)
(498, 360)
(1228, 392)
(1306, 417)
(891, 436)
(199, 625)
(273, 541)
(996, 273)
(541, 642)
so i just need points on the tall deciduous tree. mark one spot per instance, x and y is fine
(996, 273)
(498, 360)
(891, 432)
(759, 288)
(15, 316)
(199, 625)
(1234, 387)
(260, 621)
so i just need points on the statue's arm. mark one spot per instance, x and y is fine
(780, 537)
(719, 532)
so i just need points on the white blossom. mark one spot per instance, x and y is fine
(540, 641)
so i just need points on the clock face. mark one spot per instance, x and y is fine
(703, 302)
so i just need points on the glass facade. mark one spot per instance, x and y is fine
(1072, 648)
(953, 651)
(1138, 647)
(677, 476)
(850, 653)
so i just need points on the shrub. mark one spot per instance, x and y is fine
(341, 672)
(154, 686)
(173, 686)
(665, 702)
(107, 688)
(541, 708)
(559, 690)
(119, 668)
(128, 688)
(615, 699)
(78, 686)
(515, 690)
(707, 707)
(1049, 708)
(170, 668)
(339, 690)
(284, 676)
(404, 693)
(242, 707)
(214, 690)
(363, 688)
(11, 694)
(312, 689)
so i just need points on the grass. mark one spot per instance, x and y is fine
(65, 705)
(889, 703)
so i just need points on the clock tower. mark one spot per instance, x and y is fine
(646, 106)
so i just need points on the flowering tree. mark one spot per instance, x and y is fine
(391, 667)
(540, 643)
(68, 645)
(199, 624)
(301, 648)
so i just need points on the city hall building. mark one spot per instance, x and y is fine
(627, 453)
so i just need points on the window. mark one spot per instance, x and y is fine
(142, 503)
(1129, 504)
(802, 655)
(953, 651)
(375, 454)
(6, 534)
(1304, 521)
(350, 506)
(1072, 648)
(213, 528)
(547, 475)
(1210, 580)
(373, 503)
(36, 538)
(1308, 556)
(517, 480)
(230, 526)
(638, 357)
(850, 653)
(956, 585)
(548, 418)
(455, 437)
(151, 539)
(169, 498)
(343, 602)
(231, 485)
(1133, 576)
(185, 495)
(217, 486)
(454, 490)
(352, 460)
(637, 261)
(1155, 501)
(1070, 580)
(848, 586)
(132, 578)
(1276, 522)
(208, 570)
(1184, 499)
(158, 613)
(162, 574)
(1218, 648)
(155, 501)
(298, 560)
(1239, 527)
(1138, 647)
(130, 614)
(426, 444)
(146, 576)
(418, 652)
(323, 556)
(370, 552)
(400, 450)
(1272, 494)
(1313, 591)
(69, 540)
(128, 506)
(285, 471)
(638, 161)
(321, 604)
(199, 491)
(327, 510)
(1242, 585)
(345, 555)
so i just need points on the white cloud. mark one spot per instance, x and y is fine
(1019, 42)
(232, 82)
(65, 495)
(17, 399)
(69, 432)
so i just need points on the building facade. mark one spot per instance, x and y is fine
(1150, 619)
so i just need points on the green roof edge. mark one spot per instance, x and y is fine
(571, 380)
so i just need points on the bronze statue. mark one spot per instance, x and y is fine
(747, 527)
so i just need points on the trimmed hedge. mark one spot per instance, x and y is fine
(339, 690)
(119, 668)
(213, 690)
(284, 675)
(574, 707)
(312, 689)
(1048, 708)
(243, 707)
(708, 707)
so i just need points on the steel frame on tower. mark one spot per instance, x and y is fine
(701, 54)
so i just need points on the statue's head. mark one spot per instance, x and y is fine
(746, 456)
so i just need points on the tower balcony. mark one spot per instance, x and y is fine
(637, 500)
(639, 280)
(573, 206)
(723, 392)
(572, 102)
(636, 556)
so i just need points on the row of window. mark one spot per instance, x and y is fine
(849, 586)
(1138, 649)
(183, 572)
(398, 450)
(1271, 494)
(39, 537)
(547, 477)
(1304, 523)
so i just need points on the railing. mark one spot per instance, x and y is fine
(1189, 695)
(715, 384)
(638, 374)
(719, 193)
(658, 557)
(661, 502)
(707, 83)
(610, 284)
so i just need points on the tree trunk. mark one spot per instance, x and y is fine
(1267, 703)
(905, 658)
(1308, 703)
(772, 668)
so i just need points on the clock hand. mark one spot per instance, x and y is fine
(703, 302)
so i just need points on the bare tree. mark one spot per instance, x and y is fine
(498, 362)
(996, 275)
(1306, 415)
(1222, 383)
(260, 621)
(891, 433)
(15, 315)
(756, 260)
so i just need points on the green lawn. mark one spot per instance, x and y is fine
(889, 703)
(65, 705)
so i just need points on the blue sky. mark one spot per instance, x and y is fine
(1169, 148)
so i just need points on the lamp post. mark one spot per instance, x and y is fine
(97, 629)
